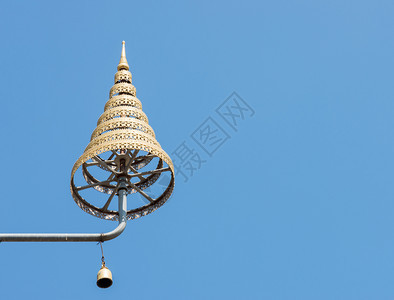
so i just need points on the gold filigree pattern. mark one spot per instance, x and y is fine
(122, 87)
(122, 76)
(122, 111)
(121, 135)
(118, 123)
(123, 100)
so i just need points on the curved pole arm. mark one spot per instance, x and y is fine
(74, 237)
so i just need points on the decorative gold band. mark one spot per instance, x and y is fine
(120, 123)
(122, 111)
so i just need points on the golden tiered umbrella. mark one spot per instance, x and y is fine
(124, 148)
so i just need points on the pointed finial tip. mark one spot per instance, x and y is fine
(123, 61)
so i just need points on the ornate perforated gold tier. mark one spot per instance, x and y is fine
(123, 145)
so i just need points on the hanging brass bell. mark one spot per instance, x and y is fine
(104, 277)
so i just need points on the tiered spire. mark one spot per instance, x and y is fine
(123, 133)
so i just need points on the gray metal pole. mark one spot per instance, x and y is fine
(77, 237)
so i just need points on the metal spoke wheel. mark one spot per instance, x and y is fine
(102, 173)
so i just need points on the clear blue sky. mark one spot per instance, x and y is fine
(297, 203)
